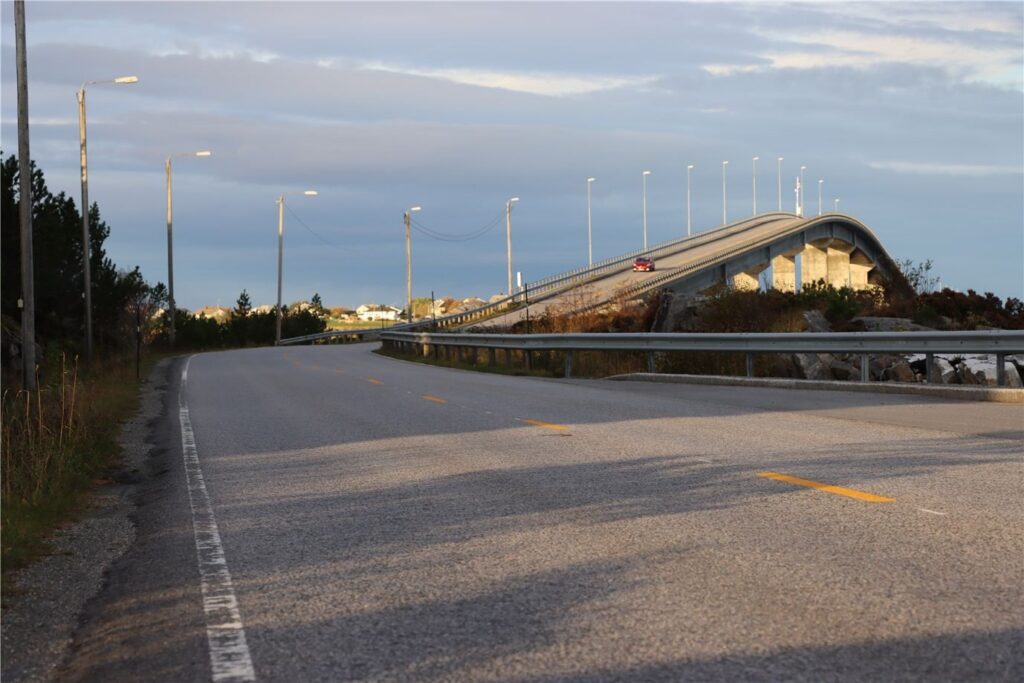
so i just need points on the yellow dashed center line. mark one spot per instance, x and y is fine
(374, 381)
(828, 488)
(546, 425)
(435, 399)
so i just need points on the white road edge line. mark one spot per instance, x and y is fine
(933, 512)
(229, 654)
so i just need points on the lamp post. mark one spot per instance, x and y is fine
(779, 176)
(408, 261)
(170, 241)
(644, 177)
(508, 238)
(820, 182)
(725, 196)
(803, 204)
(754, 171)
(84, 162)
(590, 235)
(689, 214)
(280, 256)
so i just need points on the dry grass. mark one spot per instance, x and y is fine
(57, 441)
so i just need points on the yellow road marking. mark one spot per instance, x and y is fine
(838, 490)
(548, 425)
(374, 381)
(435, 399)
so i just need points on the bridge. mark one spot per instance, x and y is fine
(775, 250)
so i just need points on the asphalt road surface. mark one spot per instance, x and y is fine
(383, 520)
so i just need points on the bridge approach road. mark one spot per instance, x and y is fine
(383, 520)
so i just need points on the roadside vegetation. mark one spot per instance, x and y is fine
(905, 301)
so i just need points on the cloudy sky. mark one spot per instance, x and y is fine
(912, 113)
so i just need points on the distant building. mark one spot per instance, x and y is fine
(218, 313)
(377, 312)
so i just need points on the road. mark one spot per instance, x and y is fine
(688, 253)
(383, 520)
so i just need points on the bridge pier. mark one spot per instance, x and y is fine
(784, 272)
(813, 265)
(838, 256)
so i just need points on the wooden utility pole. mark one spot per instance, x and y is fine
(28, 295)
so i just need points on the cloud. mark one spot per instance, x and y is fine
(973, 170)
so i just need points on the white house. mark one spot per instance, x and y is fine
(377, 312)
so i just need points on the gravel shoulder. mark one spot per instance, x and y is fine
(50, 595)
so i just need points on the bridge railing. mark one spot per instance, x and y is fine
(997, 342)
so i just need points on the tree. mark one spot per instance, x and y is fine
(243, 306)
(919, 275)
(317, 305)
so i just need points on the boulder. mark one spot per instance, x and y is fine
(882, 324)
(899, 371)
(844, 371)
(814, 365)
(816, 321)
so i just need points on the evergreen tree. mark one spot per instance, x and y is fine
(243, 306)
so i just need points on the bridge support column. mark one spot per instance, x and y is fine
(784, 273)
(860, 266)
(838, 256)
(745, 281)
(813, 265)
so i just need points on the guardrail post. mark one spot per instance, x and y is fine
(508, 358)
(529, 360)
(929, 367)
(1001, 369)
(865, 367)
(568, 363)
(650, 362)
(491, 360)
(426, 349)
(750, 364)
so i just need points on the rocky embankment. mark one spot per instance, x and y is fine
(972, 369)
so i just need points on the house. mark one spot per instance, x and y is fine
(218, 313)
(377, 312)
(343, 314)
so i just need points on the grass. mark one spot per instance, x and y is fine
(58, 443)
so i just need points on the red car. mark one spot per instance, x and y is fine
(643, 265)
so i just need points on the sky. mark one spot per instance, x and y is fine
(911, 113)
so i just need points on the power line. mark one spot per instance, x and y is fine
(450, 237)
(311, 231)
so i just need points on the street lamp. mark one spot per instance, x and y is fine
(754, 170)
(644, 177)
(508, 238)
(408, 261)
(802, 203)
(689, 214)
(725, 214)
(779, 176)
(590, 235)
(83, 158)
(820, 182)
(280, 254)
(170, 240)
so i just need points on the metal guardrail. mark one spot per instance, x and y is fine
(997, 342)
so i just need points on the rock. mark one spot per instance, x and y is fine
(966, 375)
(946, 371)
(813, 365)
(880, 324)
(899, 372)
(844, 371)
(816, 321)
(983, 370)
